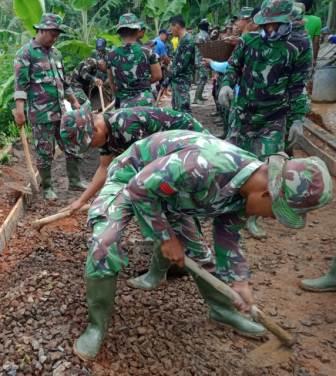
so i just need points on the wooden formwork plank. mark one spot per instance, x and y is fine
(312, 149)
(9, 226)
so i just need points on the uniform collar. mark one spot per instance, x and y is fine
(36, 44)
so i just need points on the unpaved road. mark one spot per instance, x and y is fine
(166, 331)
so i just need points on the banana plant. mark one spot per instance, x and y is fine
(161, 10)
(29, 12)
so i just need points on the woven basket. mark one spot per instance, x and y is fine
(218, 50)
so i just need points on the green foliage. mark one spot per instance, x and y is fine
(83, 4)
(29, 12)
(161, 10)
(5, 158)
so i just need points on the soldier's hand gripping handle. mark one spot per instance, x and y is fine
(173, 250)
(225, 96)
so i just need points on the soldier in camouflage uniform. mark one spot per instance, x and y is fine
(202, 177)
(201, 72)
(266, 67)
(300, 39)
(113, 132)
(132, 67)
(182, 70)
(84, 76)
(40, 83)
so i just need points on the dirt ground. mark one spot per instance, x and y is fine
(166, 331)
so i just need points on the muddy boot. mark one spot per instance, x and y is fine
(223, 312)
(322, 284)
(255, 229)
(156, 274)
(48, 192)
(100, 295)
(75, 182)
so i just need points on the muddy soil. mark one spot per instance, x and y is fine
(166, 331)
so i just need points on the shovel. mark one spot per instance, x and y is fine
(273, 351)
(100, 89)
(159, 96)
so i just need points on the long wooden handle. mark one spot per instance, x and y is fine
(286, 338)
(109, 106)
(100, 89)
(55, 217)
(28, 160)
(159, 96)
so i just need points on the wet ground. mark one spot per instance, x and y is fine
(166, 331)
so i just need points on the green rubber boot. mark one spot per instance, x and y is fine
(255, 229)
(48, 192)
(100, 295)
(223, 312)
(75, 182)
(322, 284)
(156, 274)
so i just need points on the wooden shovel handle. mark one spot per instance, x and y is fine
(100, 89)
(159, 96)
(109, 106)
(28, 160)
(286, 338)
(55, 217)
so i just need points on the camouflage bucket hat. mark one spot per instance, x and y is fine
(50, 21)
(298, 12)
(245, 13)
(129, 21)
(77, 129)
(296, 187)
(274, 11)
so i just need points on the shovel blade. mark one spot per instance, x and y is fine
(269, 354)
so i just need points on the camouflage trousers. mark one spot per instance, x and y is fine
(145, 98)
(261, 139)
(112, 211)
(44, 136)
(181, 96)
(109, 216)
(202, 78)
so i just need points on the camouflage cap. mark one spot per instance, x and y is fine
(245, 13)
(77, 129)
(50, 21)
(296, 187)
(129, 21)
(298, 12)
(274, 11)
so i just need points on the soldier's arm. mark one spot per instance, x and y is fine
(95, 185)
(298, 98)
(87, 69)
(235, 67)
(22, 79)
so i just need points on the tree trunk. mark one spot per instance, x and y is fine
(332, 16)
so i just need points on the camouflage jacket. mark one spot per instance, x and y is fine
(104, 56)
(126, 126)
(202, 180)
(39, 79)
(130, 66)
(184, 60)
(84, 74)
(201, 37)
(269, 77)
(301, 40)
